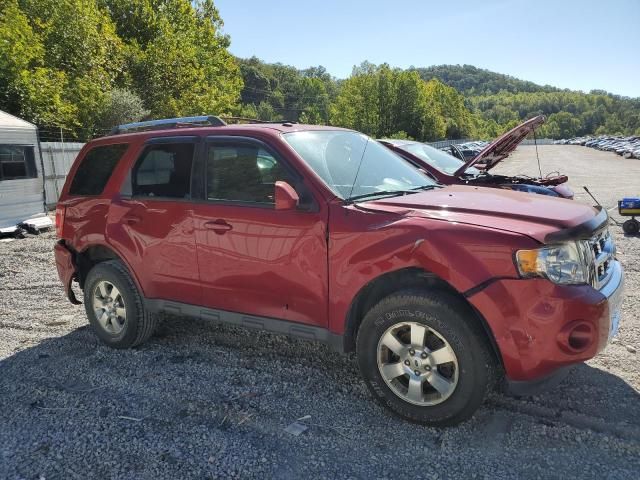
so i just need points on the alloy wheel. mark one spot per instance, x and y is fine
(109, 307)
(417, 363)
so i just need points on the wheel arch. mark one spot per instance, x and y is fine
(410, 278)
(94, 254)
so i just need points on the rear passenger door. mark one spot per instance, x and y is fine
(153, 220)
(255, 259)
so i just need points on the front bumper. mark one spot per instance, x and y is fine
(613, 291)
(530, 319)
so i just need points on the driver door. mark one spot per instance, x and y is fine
(253, 258)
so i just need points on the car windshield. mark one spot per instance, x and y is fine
(354, 165)
(437, 158)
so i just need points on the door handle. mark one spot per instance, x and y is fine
(218, 226)
(131, 219)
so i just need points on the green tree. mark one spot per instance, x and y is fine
(20, 47)
(400, 136)
(41, 94)
(356, 106)
(257, 86)
(27, 88)
(186, 68)
(299, 95)
(450, 108)
(265, 111)
(68, 62)
(380, 101)
(79, 38)
(121, 106)
(136, 21)
(247, 111)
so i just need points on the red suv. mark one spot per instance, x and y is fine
(325, 234)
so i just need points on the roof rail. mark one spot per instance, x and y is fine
(241, 120)
(254, 120)
(292, 122)
(168, 123)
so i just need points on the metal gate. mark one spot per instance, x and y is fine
(57, 158)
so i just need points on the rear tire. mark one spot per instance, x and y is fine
(115, 308)
(631, 226)
(440, 369)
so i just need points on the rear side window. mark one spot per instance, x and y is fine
(17, 161)
(164, 170)
(96, 168)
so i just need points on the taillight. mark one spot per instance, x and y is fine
(60, 211)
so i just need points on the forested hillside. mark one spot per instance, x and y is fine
(445, 101)
(470, 80)
(83, 66)
(506, 100)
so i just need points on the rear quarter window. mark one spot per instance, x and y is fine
(96, 168)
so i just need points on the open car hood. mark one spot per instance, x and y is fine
(502, 146)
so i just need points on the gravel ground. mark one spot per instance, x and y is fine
(201, 401)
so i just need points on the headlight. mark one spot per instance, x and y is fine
(564, 264)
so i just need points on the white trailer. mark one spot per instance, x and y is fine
(21, 177)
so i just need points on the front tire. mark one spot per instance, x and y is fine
(115, 308)
(423, 358)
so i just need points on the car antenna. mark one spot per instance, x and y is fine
(535, 141)
(594, 198)
(358, 171)
(611, 219)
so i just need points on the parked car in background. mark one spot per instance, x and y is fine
(450, 170)
(461, 152)
(465, 151)
(627, 147)
(324, 234)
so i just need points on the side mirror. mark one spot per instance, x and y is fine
(286, 197)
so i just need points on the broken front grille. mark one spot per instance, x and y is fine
(602, 256)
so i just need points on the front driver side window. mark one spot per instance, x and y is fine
(243, 173)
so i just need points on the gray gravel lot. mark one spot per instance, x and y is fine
(204, 401)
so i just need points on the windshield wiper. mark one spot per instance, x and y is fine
(380, 193)
(393, 192)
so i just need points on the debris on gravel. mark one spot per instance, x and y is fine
(207, 401)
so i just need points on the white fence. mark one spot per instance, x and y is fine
(446, 143)
(57, 158)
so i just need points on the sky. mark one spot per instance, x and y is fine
(581, 45)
